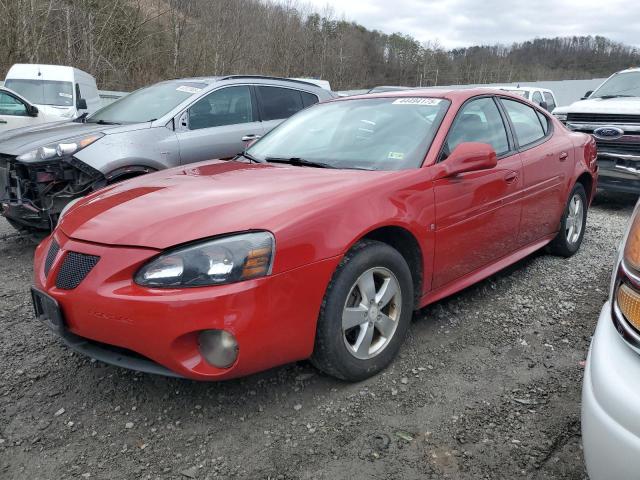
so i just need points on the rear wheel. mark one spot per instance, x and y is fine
(572, 225)
(365, 313)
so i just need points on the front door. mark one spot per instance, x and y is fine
(218, 125)
(14, 113)
(477, 213)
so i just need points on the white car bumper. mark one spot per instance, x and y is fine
(611, 405)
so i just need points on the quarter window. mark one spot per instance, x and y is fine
(525, 121)
(227, 106)
(308, 99)
(12, 106)
(479, 121)
(279, 102)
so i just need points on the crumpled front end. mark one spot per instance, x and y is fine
(32, 195)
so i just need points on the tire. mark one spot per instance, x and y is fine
(370, 264)
(567, 241)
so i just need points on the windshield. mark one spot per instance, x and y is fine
(43, 92)
(522, 93)
(620, 85)
(373, 134)
(147, 104)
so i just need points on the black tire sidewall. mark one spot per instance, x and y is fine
(329, 333)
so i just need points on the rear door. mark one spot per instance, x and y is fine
(14, 113)
(279, 103)
(217, 125)
(477, 213)
(546, 162)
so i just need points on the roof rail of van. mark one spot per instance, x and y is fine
(266, 77)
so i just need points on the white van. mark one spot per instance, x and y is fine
(58, 92)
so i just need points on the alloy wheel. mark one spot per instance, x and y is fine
(573, 224)
(371, 313)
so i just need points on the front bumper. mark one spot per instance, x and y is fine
(611, 405)
(109, 317)
(617, 176)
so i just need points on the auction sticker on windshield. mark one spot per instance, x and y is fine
(417, 101)
(187, 89)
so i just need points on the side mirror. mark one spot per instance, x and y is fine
(82, 104)
(468, 157)
(544, 105)
(587, 94)
(32, 110)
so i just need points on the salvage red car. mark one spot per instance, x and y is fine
(320, 241)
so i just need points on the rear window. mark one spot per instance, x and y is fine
(525, 121)
(43, 92)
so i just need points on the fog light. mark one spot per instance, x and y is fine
(629, 303)
(218, 347)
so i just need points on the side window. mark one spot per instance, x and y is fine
(551, 103)
(227, 106)
(279, 102)
(12, 106)
(526, 123)
(308, 99)
(479, 121)
(537, 98)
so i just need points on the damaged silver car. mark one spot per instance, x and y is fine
(44, 168)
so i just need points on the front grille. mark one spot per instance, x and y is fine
(51, 256)
(602, 118)
(75, 267)
(619, 147)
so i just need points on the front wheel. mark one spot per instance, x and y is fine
(365, 313)
(572, 225)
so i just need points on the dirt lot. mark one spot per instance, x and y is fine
(487, 386)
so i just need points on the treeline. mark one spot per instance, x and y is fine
(129, 43)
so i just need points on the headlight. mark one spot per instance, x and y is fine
(561, 116)
(56, 150)
(625, 287)
(213, 262)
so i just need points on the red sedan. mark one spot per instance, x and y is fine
(320, 241)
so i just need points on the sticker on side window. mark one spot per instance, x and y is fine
(417, 101)
(187, 89)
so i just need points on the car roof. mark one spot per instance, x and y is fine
(450, 94)
(250, 79)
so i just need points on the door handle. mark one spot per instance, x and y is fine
(3, 121)
(251, 136)
(511, 177)
(563, 156)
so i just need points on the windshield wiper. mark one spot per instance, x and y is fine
(605, 97)
(297, 161)
(250, 157)
(103, 122)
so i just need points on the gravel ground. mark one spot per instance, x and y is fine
(487, 386)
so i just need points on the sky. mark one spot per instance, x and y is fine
(460, 23)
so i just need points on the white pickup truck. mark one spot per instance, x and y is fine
(611, 113)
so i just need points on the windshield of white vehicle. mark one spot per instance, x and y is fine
(43, 92)
(620, 85)
(372, 134)
(522, 93)
(147, 104)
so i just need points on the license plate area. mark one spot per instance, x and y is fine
(47, 310)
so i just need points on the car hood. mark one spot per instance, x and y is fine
(179, 205)
(623, 105)
(23, 140)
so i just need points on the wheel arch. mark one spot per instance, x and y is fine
(586, 180)
(127, 172)
(405, 242)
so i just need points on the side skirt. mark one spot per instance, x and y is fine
(482, 273)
